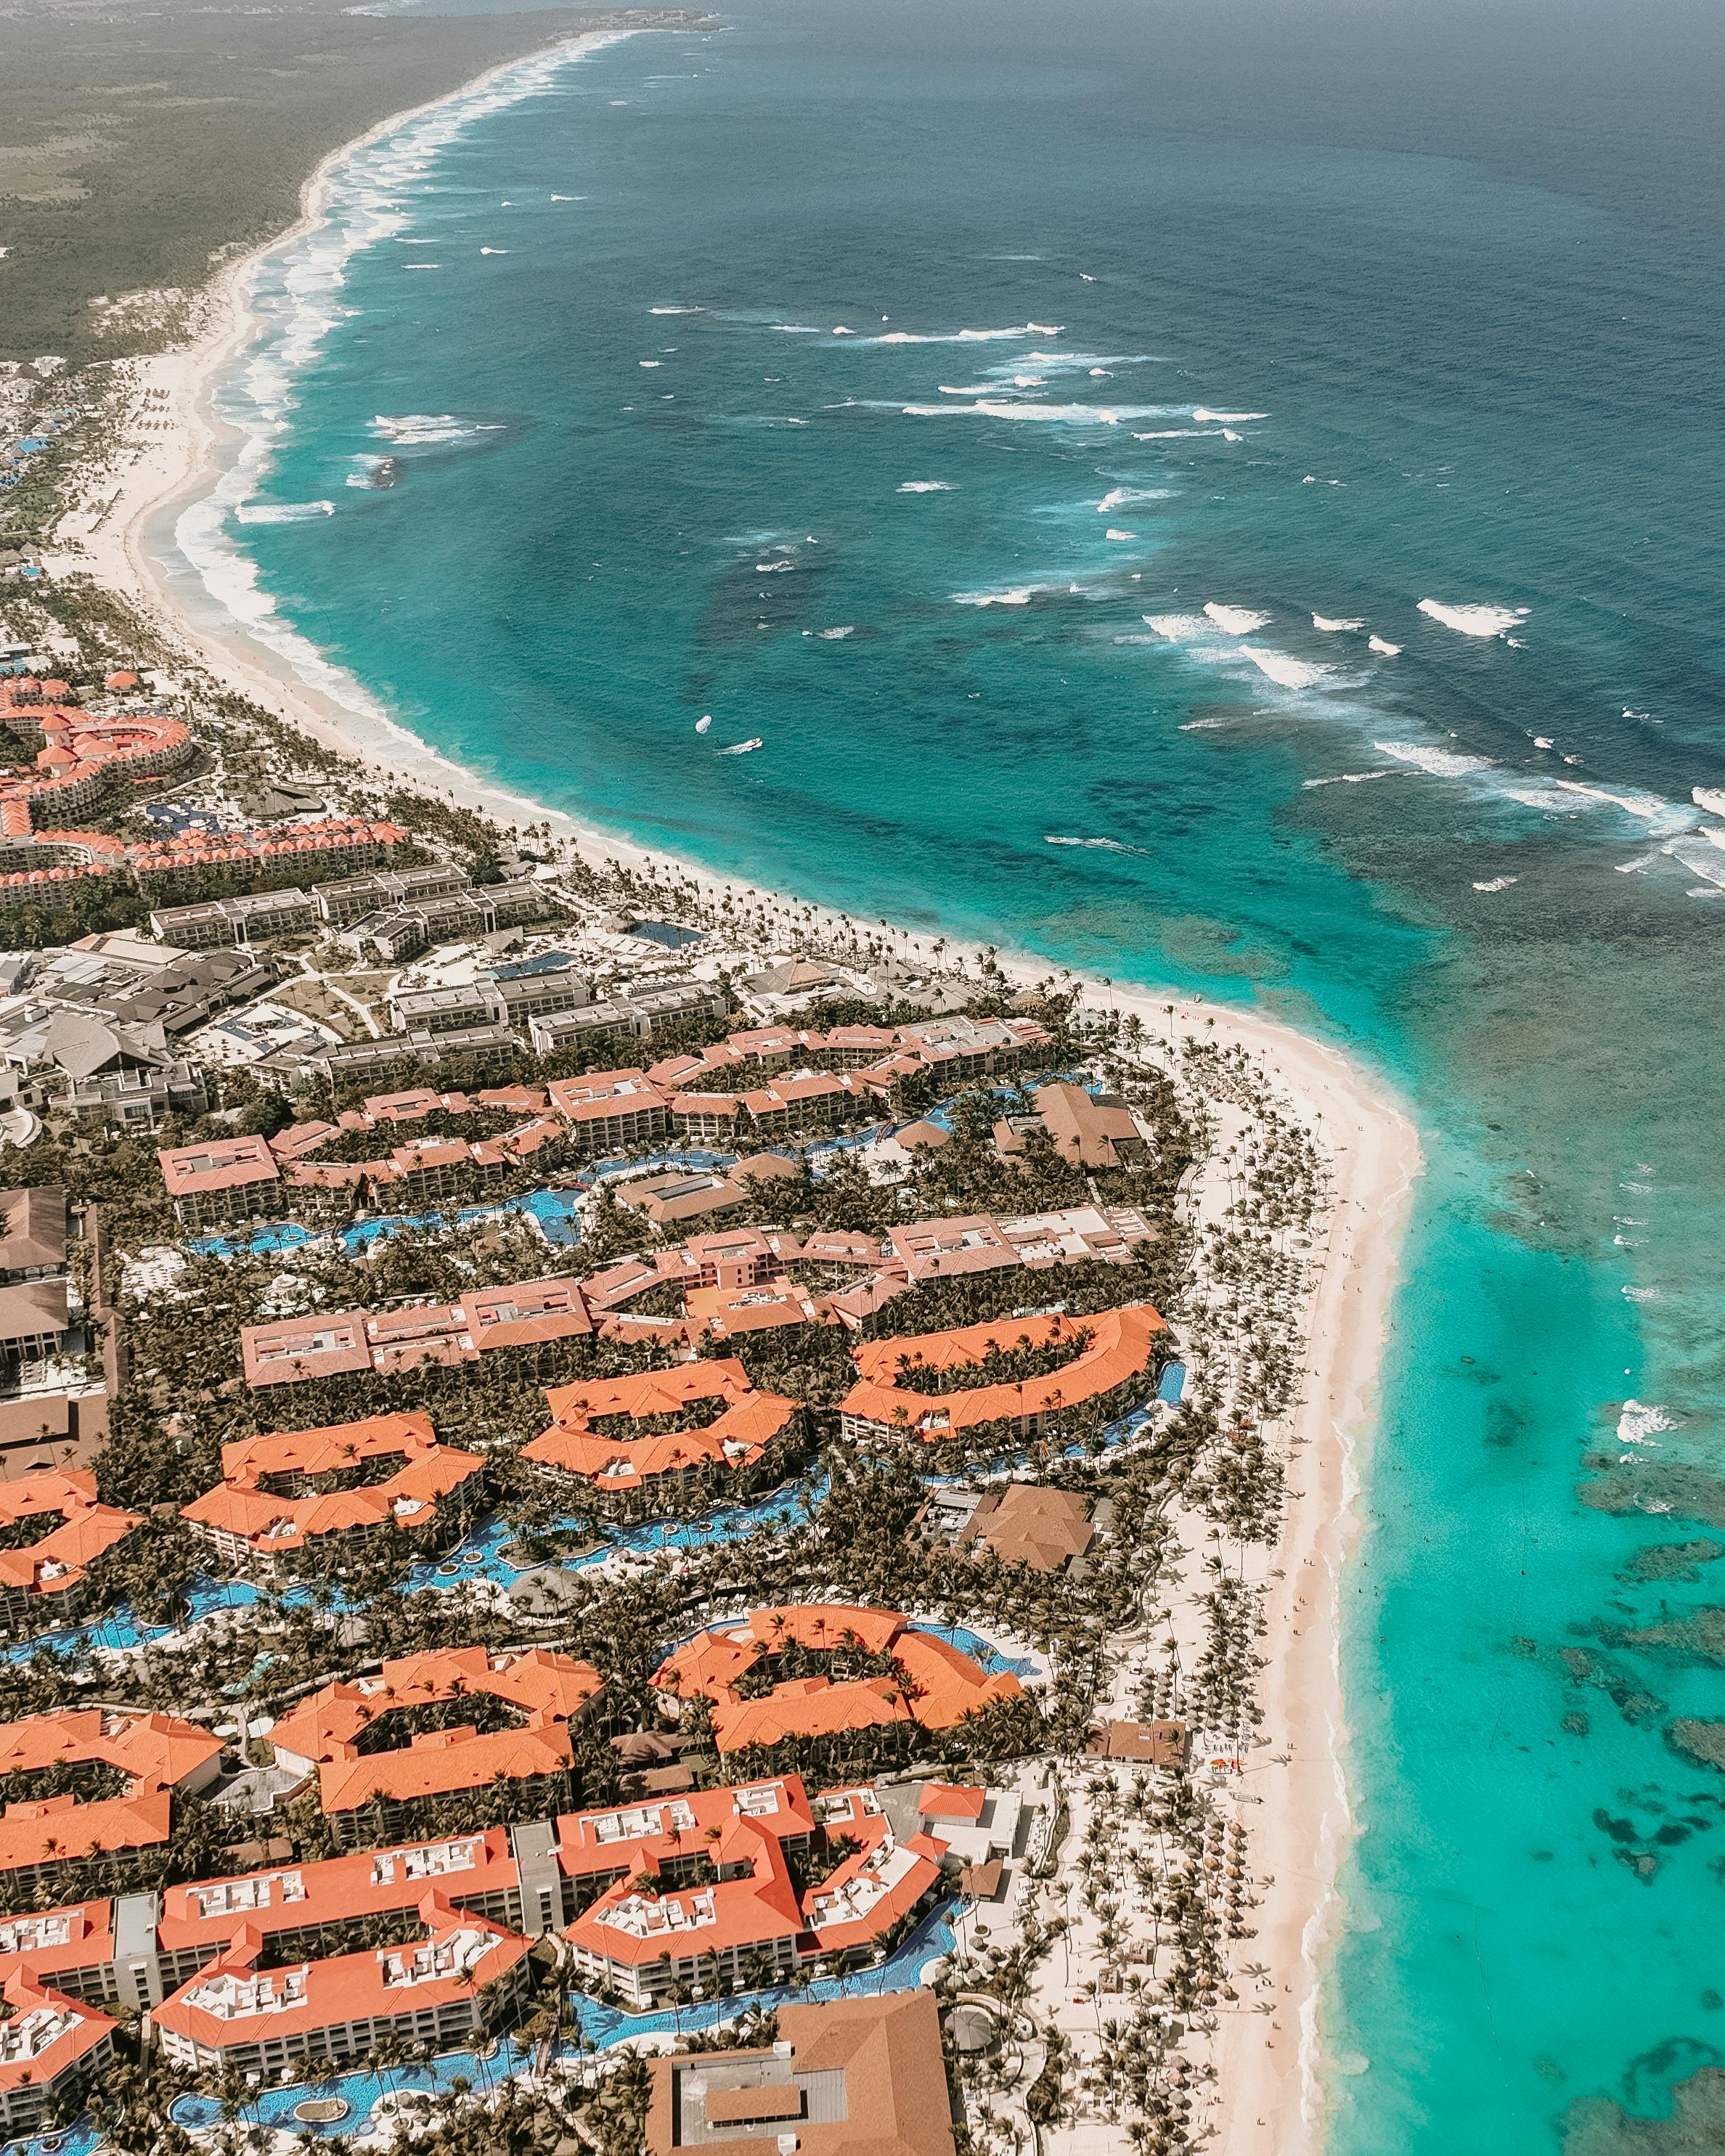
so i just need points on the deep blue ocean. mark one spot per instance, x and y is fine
(1220, 496)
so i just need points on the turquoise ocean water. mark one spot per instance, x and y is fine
(977, 408)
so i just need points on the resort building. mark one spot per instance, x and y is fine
(660, 1437)
(1144, 1744)
(153, 1757)
(528, 1317)
(1030, 1524)
(466, 1977)
(54, 1530)
(444, 1724)
(853, 2077)
(285, 853)
(84, 757)
(337, 1490)
(1107, 1356)
(32, 1235)
(609, 1109)
(698, 1889)
(1089, 1130)
(50, 2048)
(222, 1180)
(904, 1674)
(340, 904)
(214, 922)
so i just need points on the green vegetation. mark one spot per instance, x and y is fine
(139, 148)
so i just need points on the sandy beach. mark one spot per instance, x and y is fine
(1271, 2066)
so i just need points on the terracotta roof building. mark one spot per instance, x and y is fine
(854, 2077)
(916, 1677)
(460, 1980)
(606, 1109)
(610, 1434)
(50, 2047)
(710, 1898)
(1114, 1350)
(338, 1487)
(157, 1755)
(1089, 1130)
(1150, 1743)
(55, 1530)
(33, 1234)
(223, 1179)
(527, 1317)
(1028, 1523)
(382, 1744)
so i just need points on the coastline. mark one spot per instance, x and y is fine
(1270, 2067)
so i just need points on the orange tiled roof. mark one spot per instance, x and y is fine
(158, 1752)
(745, 1424)
(940, 1684)
(234, 2002)
(1121, 1346)
(88, 1529)
(551, 1690)
(239, 1506)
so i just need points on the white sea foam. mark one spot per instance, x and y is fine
(1474, 620)
(1286, 673)
(969, 389)
(1120, 497)
(1664, 818)
(1643, 1295)
(1180, 434)
(1383, 648)
(961, 336)
(1332, 627)
(1099, 845)
(1352, 777)
(1177, 627)
(1638, 1424)
(649, 363)
(1070, 415)
(927, 486)
(1020, 595)
(795, 329)
(1205, 417)
(1079, 362)
(284, 512)
(1436, 762)
(417, 429)
(1114, 531)
(1497, 883)
(1710, 797)
(673, 310)
(1233, 620)
(1700, 859)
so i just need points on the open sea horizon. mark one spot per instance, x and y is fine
(1217, 499)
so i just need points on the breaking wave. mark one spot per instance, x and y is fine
(1286, 673)
(284, 512)
(1474, 620)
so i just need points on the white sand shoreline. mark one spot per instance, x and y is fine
(1272, 2076)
